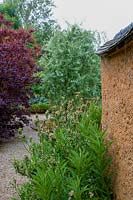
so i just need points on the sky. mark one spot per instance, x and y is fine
(102, 15)
(107, 16)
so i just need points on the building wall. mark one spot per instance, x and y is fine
(117, 117)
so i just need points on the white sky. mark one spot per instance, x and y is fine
(102, 15)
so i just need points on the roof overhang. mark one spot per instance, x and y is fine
(119, 40)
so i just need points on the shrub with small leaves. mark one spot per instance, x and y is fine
(71, 65)
(17, 64)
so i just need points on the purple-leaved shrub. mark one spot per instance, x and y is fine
(18, 53)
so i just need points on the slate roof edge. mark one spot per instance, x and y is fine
(123, 36)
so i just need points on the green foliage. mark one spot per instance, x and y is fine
(94, 113)
(72, 115)
(39, 87)
(25, 192)
(34, 13)
(9, 8)
(38, 14)
(39, 107)
(67, 164)
(71, 66)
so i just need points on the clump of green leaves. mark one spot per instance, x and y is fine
(39, 108)
(68, 164)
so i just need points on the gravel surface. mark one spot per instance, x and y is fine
(8, 151)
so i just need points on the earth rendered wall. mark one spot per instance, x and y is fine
(117, 117)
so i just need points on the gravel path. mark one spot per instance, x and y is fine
(9, 151)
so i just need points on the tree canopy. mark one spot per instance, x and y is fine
(31, 13)
(10, 9)
(71, 65)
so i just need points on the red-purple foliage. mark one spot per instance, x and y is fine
(17, 65)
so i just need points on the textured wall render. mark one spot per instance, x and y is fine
(117, 118)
